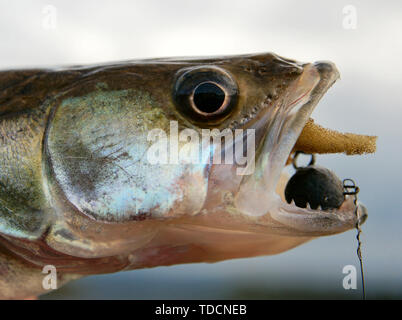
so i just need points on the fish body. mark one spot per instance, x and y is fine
(96, 177)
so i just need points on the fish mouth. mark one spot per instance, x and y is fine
(260, 194)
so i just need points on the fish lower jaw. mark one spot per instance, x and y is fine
(318, 222)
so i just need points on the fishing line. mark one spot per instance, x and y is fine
(351, 189)
(302, 188)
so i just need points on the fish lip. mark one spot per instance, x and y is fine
(316, 79)
(314, 222)
(257, 196)
(283, 132)
(320, 222)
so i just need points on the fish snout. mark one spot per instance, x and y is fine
(327, 70)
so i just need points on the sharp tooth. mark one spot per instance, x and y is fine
(292, 202)
(319, 208)
(308, 206)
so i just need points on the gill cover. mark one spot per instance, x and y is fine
(96, 148)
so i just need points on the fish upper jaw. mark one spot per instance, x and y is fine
(285, 121)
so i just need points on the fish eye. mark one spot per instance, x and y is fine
(205, 93)
(208, 97)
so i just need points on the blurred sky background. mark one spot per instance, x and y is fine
(365, 100)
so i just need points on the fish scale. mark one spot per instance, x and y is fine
(78, 190)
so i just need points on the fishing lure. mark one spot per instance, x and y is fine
(317, 187)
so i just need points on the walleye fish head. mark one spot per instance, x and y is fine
(127, 167)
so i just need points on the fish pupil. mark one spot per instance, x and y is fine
(208, 97)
